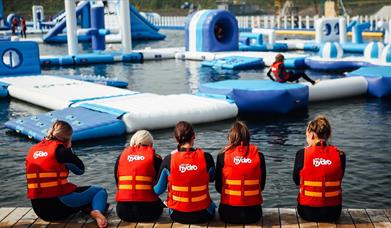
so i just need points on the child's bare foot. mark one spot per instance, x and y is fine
(316, 82)
(101, 220)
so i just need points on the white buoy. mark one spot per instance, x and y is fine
(70, 13)
(124, 16)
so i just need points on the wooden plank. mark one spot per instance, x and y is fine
(28, 219)
(77, 221)
(345, 220)
(388, 213)
(326, 225)
(216, 222)
(164, 221)
(304, 223)
(271, 217)
(14, 216)
(127, 224)
(145, 224)
(378, 218)
(39, 223)
(180, 225)
(112, 217)
(288, 218)
(360, 218)
(201, 225)
(5, 211)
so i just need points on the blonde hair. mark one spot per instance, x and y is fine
(320, 126)
(141, 137)
(238, 135)
(61, 131)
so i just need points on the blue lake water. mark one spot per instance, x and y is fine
(361, 128)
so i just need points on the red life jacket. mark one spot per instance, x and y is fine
(280, 78)
(46, 177)
(135, 174)
(188, 182)
(241, 177)
(321, 177)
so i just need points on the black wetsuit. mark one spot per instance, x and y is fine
(236, 214)
(50, 209)
(293, 76)
(139, 211)
(196, 216)
(320, 214)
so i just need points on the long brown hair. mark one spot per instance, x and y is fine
(238, 135)
(184, 133)
(321, 127)
(61, 131)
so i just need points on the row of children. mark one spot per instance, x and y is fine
(141, 175)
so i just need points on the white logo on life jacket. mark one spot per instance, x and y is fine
(320, 161)
(39, 154)
(239, 159)
(187, 167)
(132, 158)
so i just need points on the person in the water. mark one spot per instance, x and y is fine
(135, 172)
(282, 75)
(187, 171)
(47, 167)
(318, 170)
(240, 178)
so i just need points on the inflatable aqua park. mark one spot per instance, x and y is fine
(94, 110)
(121, 110)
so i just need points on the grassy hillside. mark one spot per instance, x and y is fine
(172, 7)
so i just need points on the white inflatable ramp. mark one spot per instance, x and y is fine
(152, 111)
(53, 92)
(76, 100)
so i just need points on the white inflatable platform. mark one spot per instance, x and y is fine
(137, 110)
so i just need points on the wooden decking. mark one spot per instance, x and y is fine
(272, 217)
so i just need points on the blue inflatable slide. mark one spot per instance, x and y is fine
(141, 28)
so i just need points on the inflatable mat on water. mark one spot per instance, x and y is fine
(261, 96)
(86, 124)
(56, 92)
(235, 63)
(379, 79)
(152, 111)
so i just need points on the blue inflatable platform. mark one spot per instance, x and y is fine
(3, 90)
(86, 124)
(235, 63)
(91, 58)
(261, 96)
(379, 79)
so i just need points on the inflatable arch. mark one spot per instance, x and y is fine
(211, 31)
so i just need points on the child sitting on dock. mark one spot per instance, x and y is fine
(47, 167)
(318, 170)
(240, 178)
(135, 171)
(187, 171)
(281, 75)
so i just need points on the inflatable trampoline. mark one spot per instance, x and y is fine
(260, 96)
